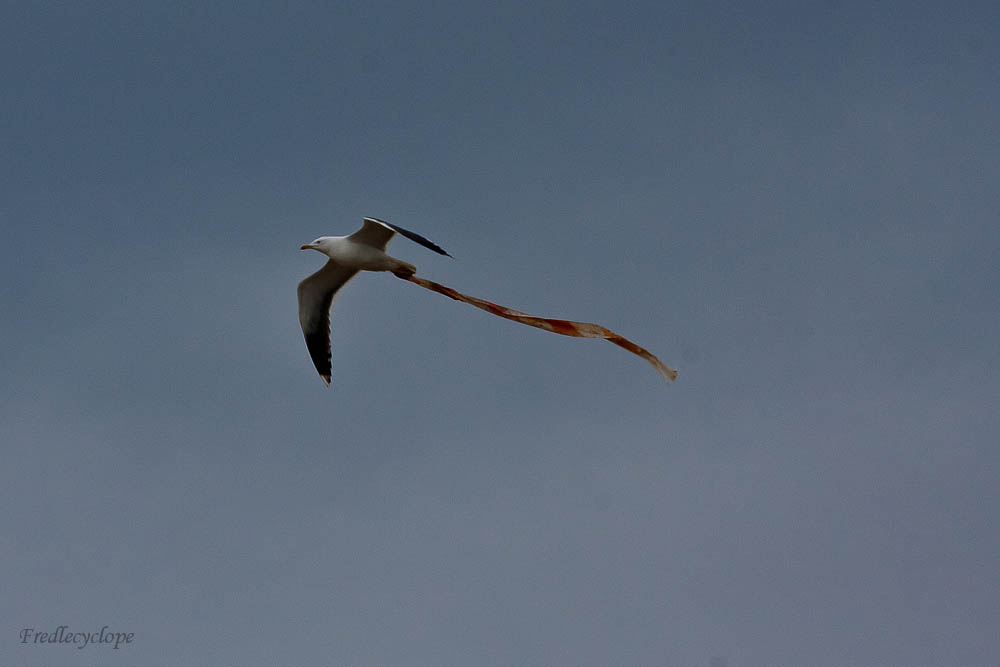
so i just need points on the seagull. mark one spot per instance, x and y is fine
(364, 250)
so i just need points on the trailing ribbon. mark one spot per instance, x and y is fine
(564, 327)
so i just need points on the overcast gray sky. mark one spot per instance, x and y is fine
(795, 204)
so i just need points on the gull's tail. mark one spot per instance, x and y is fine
(403, 269)
(564, 327)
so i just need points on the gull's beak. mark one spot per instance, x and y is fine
(308, 246)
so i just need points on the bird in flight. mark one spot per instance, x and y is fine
(364, 250)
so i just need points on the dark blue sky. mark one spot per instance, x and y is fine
(795, 204)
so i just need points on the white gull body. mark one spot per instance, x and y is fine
(364, 250)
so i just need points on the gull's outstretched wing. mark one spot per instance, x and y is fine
(377, 234)
(315, 298)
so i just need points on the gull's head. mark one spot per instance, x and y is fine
(319, 244)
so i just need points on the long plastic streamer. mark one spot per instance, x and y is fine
(564, 327)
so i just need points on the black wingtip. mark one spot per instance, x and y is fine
(413, 236)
